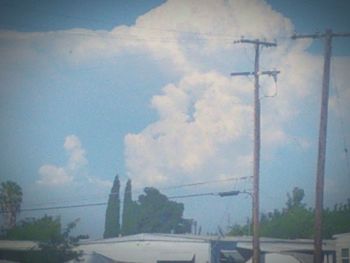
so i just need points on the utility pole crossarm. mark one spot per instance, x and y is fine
(316, 35)
(256, 166)
(270, 72)
(256, 42)
(328, 33)
(242, 73)
(247, 73)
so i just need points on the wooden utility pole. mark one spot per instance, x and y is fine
(322, 139)
(255, 209)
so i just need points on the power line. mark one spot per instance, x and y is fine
(207, 182)
(59, 207)
(191, 195)
(38, 10)
(133, 37)
(221, 194)
(162, 39)
(185, 33)
(137, 191)
(196, 36)
(200, 183)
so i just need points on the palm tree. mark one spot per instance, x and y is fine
(10, 202)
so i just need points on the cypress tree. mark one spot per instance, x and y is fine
(129, 212)
(112, 224)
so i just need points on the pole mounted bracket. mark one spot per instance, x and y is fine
(256, 42)
(271, 73)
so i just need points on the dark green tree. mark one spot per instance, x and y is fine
(152, 213)
(336, 221)
(60, 248)
(241, 230)
(157, 214)
(296, 199)
(185, 226)
(55, 245)
(130, 215)
(10, 202)
(34, 229)
(112, 220)
(297, 221)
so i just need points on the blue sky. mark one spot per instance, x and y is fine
(142, 88)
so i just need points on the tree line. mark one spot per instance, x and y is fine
(153, 212)
(55, 242)
(296, 220)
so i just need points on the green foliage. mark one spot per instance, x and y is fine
(157, 214)
(112, 225)
(153, 213)
(184, 226)
(41, 229)
(130, 215)
(60, 248)
(296, 221)
(10, 202)
(336, 221)
(296, 199)
(55, 245)
(238, 230)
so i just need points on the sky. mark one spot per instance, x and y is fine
(142, 89)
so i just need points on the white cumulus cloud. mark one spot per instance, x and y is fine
(198, 116)
(205, 116)
(75, 172)
(75, 152)
(206, 119)
(53, 175)
(56, 175)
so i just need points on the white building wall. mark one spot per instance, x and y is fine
(151, 251)
(342, 241)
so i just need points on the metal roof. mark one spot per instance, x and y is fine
(342, 235)
(150, 237)
(18, 245)
(245, 242)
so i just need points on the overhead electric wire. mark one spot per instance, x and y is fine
(105, 203)
(62, 207)
(207, 182)
(210, 36)
(204, 35)
(44, 11)
(191, 195)
(138, 191)
(221, 194)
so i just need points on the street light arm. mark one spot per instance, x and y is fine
(229, 193)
